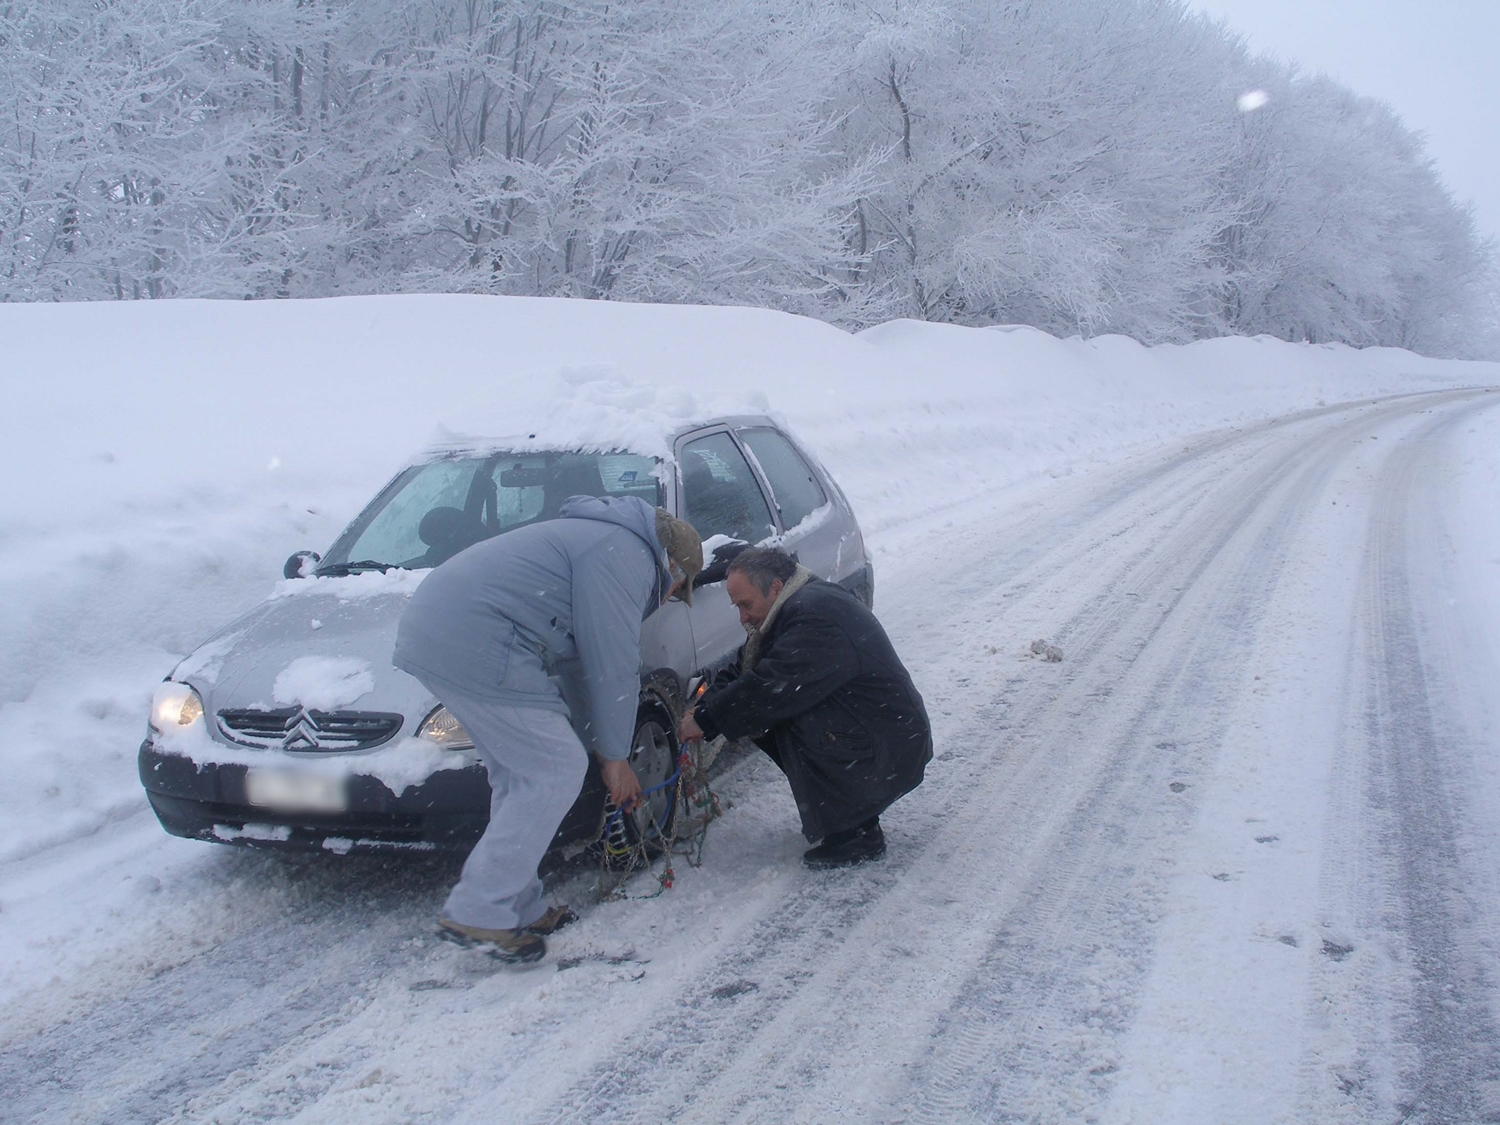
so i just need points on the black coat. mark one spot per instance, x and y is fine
(831, 703)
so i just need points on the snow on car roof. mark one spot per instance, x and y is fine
(599, 409)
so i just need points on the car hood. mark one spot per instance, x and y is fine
(319, 643)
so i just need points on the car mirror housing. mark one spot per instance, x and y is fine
(718, 567)
(300, 564)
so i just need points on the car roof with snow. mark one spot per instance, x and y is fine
(638, 437)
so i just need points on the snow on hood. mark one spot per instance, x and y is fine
(324, 683)
(323, 653)
(321, 650)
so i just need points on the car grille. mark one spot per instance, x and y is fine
(304, 730)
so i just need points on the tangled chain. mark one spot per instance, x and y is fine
(682, 830)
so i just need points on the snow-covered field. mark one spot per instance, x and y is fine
(1232, 859)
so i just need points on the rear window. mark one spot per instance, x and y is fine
(720, 492)
(798, 493)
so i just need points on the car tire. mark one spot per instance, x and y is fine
(653, 757)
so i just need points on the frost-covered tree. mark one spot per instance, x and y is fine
(1344, 231)
(1080, 167)
(105, 159)
(619, 150)
(1044, 165)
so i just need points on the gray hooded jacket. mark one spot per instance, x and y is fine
(565, 597)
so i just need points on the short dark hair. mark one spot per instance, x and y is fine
(763, 565)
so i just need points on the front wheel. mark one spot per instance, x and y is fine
(653, 757)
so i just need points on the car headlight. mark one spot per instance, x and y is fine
(174, 706)
(442, 729)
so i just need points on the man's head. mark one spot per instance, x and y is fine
(684, 553)
(755, 580)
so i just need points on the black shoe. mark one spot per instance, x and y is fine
(845, 849)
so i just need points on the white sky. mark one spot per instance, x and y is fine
(1433, 60)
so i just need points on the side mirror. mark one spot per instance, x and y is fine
(301, 564)
(718, 566)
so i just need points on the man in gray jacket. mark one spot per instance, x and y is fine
(486, 631)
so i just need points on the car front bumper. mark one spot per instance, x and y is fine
(447, 812)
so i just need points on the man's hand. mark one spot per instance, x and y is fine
(688, 729)
(624, 787)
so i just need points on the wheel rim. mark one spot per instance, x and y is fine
(653, 756)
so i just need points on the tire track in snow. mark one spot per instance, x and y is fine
(1426, 1045)
(1035, 1082)
(313, 938)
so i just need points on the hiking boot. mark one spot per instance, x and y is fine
(513, 946)
(845, 849)
(555, 919)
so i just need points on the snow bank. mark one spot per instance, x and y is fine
(163, 458)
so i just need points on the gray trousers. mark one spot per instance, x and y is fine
(536, 765)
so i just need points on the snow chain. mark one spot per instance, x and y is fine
(695, 805)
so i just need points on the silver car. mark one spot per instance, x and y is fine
(290, 727)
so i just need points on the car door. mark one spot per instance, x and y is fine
(817, 528)
(721, 496)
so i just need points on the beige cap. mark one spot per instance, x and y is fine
(683, 546)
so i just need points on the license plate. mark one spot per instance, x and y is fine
(295, 792)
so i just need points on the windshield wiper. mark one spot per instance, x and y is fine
(339, 570)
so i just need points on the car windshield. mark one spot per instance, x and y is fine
(430, 512)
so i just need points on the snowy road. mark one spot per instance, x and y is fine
(1233, 859)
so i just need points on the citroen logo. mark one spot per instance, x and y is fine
(303, 734)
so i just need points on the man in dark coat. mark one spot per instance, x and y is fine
(820, 689)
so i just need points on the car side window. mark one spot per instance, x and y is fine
(720, 492)
(798, 493)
